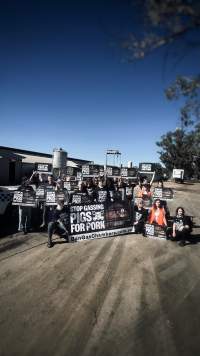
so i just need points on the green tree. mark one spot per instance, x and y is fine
(177, 151)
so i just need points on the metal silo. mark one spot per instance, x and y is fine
(59, 161)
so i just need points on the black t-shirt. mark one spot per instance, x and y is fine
(102, 195)
(182, 221)
(91, 193)
(56, 214)
(140, 215)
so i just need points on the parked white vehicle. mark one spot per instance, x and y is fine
(6, 196)
(178, 174)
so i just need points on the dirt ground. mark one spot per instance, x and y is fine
(126, 295)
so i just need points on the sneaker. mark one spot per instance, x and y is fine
(50, 244)
(181, 243)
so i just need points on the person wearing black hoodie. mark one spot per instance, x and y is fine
(139, 217)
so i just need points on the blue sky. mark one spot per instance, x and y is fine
(64, 82)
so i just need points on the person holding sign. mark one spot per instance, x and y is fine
(25, 210)
(102, 192)
(145, 192)
(157, 214)
(182, 226)
(58, 219)
(139, 217)
(61, 192)
(48, 185)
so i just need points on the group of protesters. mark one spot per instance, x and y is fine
(102, 190)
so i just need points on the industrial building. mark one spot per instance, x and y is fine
(16, 163)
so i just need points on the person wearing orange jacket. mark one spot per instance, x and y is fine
(157, 214)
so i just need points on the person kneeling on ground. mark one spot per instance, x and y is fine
(59, 220)
(182, 227)
(140, 217)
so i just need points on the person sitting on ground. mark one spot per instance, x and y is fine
(139, 217)
(160, 185)
(182, 227)
(58, 219)
(157, 214)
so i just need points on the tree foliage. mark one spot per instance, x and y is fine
(179, 149)
(166, 22)
(189, 88)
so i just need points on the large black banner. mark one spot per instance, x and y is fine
(100, 220)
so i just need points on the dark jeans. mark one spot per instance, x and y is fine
(180, 235)
(139, 228)
(24, 217)
(52, 226)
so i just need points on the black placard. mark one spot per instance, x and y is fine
(152, 230)
(163, 193)
(146, 167)
(92, 170)
(24, 198)
(43, 167)
(53, 196)
(113, 171)
(70, 171)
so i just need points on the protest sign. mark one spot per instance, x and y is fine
(99, 220)
(152, 230)
(24, 198)
(52, 197)
(43, 167)
(90, 170)
(163, 193)
(113, 171)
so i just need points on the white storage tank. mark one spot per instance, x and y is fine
(59, 158)
(130, 164)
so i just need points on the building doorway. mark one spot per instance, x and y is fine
(11, 172)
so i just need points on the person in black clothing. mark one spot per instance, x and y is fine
(102, 192)
(90, 187)
(47, 185)
(25, 211)
(58, 219)
(80, 196)
(182, 227)
(139, 217)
